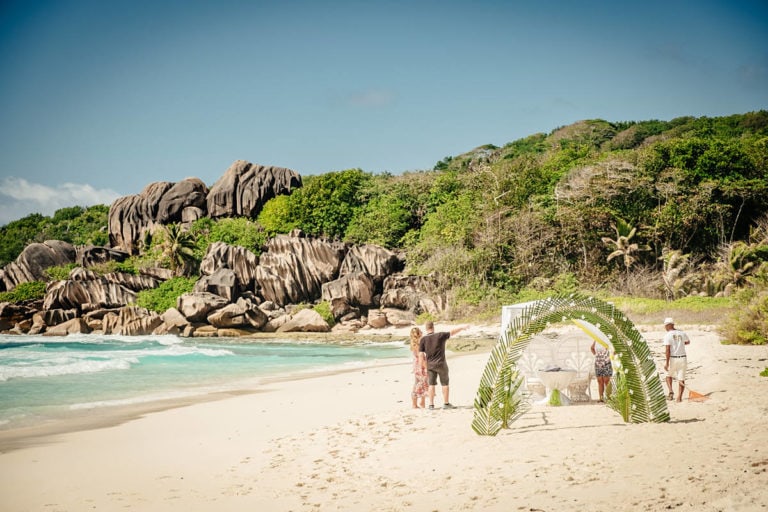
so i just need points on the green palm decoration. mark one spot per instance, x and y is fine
(500, 399)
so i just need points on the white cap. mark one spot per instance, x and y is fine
(668, 321)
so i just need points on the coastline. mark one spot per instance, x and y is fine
(112, 414)
(350, 441)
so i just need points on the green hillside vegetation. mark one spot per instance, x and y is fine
(661, 210)
(76, 225)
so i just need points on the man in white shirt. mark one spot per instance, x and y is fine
(676, 362)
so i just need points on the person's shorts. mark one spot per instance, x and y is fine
(677, 368)
(438, 371)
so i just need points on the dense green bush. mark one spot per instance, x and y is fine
(164, 297)
(32, 290)
(324, 205)
(750, 325)
(238, 231)
(324, 310)
(76, 225)
(15, 235)
(276, 217)
(384, 221)
(61, 272)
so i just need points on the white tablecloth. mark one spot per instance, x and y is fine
(556, 381)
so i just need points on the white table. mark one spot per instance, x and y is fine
(555, 381)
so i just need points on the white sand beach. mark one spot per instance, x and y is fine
(351, 441)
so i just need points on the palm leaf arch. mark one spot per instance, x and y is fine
(499, 398)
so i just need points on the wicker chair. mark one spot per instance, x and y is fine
(528, 363)
(580, 388)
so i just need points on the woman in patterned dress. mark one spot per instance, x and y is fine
(420, 385)
(603, 369)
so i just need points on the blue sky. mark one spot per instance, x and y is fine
(100, 98)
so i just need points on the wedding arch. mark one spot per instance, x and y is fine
(637, 395)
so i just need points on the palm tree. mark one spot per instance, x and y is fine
(676, 276)
(179, 247)
(624, 247)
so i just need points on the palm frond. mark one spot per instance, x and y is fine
(499, 397)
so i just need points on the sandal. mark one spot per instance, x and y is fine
(431, 407)
(671, 396)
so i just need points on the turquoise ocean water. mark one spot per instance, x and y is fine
(42, 378)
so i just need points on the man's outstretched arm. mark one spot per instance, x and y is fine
(458, 329)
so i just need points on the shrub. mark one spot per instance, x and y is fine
(164, 297)
(324, 310)
(60, 272)
(425, 317)
(749, 325)
(239, 231)
(25, 291)
(275, 217)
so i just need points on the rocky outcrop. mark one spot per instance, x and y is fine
(293, 268)
(242, 314)
(347, 292)
(188, 195)
(306, 320)
(132, 217)
(377, 319)
(33, 261)
(245, 187)
(223, 283)
(161, 274)
(240, 260)
(412, 293)
(172, 322)
(53, 317)
(13, 314)
(87, 295)
(197, 306)
(131, 321)
(74, 326)
(356, 288)
(95, 318)
(133, 282)
(94, 255)
(378, 262)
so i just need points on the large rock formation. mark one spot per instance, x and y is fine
(223, 283)
(74, 326)
(131, 321)
(87, 295)
(132, 217)
(240, 260)
(412, 293)
(198, 305)
(184, 196)
(91, 255)
(356, 289)
(306, 320)
(33, 261)
(376, 261)
(242, 314)
(293, 268)
(245, 187)
(13, 314)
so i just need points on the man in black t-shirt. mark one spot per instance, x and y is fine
(432, 347)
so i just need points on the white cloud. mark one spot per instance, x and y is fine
(19, 197)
